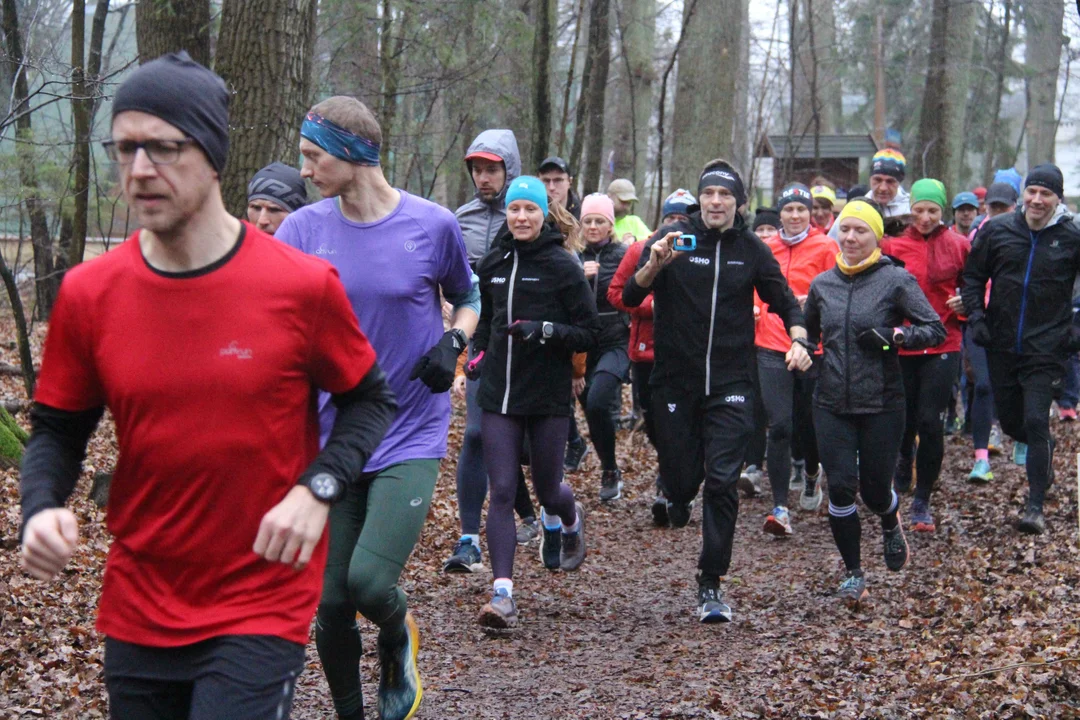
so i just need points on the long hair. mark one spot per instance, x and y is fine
(567, 225)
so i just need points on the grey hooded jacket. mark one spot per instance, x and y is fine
(839, 307)
(480, 221)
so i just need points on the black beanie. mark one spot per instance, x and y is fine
(795, 193)
(1048, 176)
(279, 183)
(184, 94)
(766, 216)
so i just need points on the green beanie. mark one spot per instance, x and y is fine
(929, 189)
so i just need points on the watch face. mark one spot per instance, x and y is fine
(324, 486)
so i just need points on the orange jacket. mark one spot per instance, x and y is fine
(800, 263)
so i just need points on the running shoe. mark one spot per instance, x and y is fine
(501, 612)
(550, 547)
(1033, 522)
(894, 546)
(981, 473)
(527, 531)
(812, 493)
(575, 453)
(798, 475)
(1067, 414)
(778, 523)
(400, 691)
(994, 446)
(660, 508)
(750, 481)
(1019, 453)
(611, 485)
(921, 519)
(572, 552)
(853, 590)
(902, 476)
(711, 605)
(466, 558)
(679, 514)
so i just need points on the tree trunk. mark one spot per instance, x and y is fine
(581, 111)
(633, 91)
(260, 40)
(940, 149)
(390, 53)
(165, 26)
(1000, 60)
(742, 150)
(817, 86)
(568, 90)
(83, 88)
(542, 39)
(705, 89)
(1043, 20)
(45, 284)
(600, 51)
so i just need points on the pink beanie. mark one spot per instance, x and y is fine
(598, 204)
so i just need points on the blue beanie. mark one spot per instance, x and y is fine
(528, 188)
(679, 202)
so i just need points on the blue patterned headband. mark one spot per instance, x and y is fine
(338, 141)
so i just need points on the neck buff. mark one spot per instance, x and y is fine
(794, 239)
(858, 267)
(339, 142)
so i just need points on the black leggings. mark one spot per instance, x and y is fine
(640, 372)
(858, 453)
(782, 392)
(927, 383)
(504, 437)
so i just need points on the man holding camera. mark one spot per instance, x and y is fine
(703, 273)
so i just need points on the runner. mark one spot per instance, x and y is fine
(608, 362)
(493, 162)
(985, 431)
(703, 393)
(524, 366)
(935, 255)
(858, 310)
(980, 195)
(559, 181)
(220, 499)
(887, 170)
(677, 207)
(803, 252)
(965, 209)
(822, 212)
(628, 227)
(274, 192)
(1027, 327)
(766, 223)
(395, 252)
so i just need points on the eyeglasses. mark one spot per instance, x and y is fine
(160, 152)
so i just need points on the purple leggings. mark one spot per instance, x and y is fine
(503, 437)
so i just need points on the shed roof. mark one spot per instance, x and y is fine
(830, 146)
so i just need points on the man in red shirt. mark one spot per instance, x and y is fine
(204, 338)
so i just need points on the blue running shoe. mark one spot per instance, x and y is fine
(981, 473)
(1019, 453)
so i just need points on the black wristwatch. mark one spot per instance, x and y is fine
(325, 487)
(547, 330)
(807, 345)
(461, 340)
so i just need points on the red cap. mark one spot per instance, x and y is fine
(484, 156)
(980, 192)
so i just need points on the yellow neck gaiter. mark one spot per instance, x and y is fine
(859, 267)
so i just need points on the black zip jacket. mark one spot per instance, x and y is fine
(614, 325)
(1032, 274)
(852, 380)
(539, 281)
(703, 306)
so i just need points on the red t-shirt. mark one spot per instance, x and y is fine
(209, 377)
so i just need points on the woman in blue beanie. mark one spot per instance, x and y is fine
(537, 311)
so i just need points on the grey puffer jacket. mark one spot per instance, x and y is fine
(839, 307)
(480, 221)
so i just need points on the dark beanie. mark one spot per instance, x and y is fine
(1047, 176)
(184, 94)
(279, 183)
(857, 191)
(766, 216)
(795, 193)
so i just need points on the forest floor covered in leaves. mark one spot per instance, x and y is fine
(983, 623)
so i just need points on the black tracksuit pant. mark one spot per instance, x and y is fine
(1024, 387)
(702, 438)
(928, 380)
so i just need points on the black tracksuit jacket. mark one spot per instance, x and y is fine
(540, 281)
(703, 306)
(614, 325)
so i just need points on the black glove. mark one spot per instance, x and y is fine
(474, 367)
(527, 330)
(436, 368)
(980, 331)
(877, 339)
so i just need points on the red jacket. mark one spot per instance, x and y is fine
(641, 328)
(937, 262)
(800, 263)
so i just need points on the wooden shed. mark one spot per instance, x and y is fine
(839, 157)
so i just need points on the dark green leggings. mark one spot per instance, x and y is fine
(372, 533)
